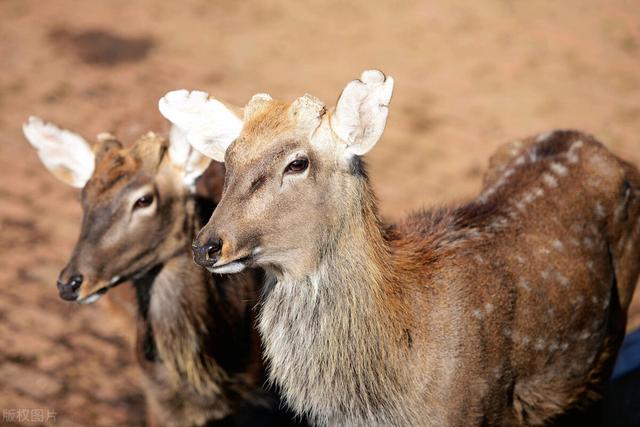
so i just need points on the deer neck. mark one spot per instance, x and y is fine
(185, 326)
(342, 324)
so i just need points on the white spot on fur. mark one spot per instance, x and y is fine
(529, 197)
(549, 180)
(600, 213)
(477, 314)
(520, 259)
(473, 234)
(562, 279)
(488, 307)
(578, 301)
(524, 284)
(499, 223)
(497, 372)
(559, 169)
(539, 345)
(572, 155)
(544, 136)
(557, 245)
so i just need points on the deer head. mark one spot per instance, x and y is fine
(135, 210)
(291, 169)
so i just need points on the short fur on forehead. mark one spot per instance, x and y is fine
(106, 143)
(114, 167)
(116, 164)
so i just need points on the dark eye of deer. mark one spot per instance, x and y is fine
(297, 166)
(143, 201)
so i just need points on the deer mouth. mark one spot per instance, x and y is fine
(230, 267)
(95, 295)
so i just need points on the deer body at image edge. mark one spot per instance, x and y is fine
(507, 310)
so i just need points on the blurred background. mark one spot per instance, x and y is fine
(469, 76)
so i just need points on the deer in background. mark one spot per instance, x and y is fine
(507, 310)
(196, 339)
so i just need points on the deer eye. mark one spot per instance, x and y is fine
(297, 166)
(143, 201)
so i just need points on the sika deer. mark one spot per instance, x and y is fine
(507, 310)
(196, 341)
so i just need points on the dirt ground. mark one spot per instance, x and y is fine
(469, 76)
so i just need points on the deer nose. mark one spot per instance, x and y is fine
(207, 254)
(69, 290)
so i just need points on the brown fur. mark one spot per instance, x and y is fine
(508, 310)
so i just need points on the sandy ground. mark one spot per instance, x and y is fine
(470, 75)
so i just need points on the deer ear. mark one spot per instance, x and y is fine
(210, 126)
(192, 162)
(65, 154)
(361, 112)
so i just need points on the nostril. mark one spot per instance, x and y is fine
(75, 281)
(213, 248)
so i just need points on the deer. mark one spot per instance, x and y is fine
(196, 340)
(507, 309)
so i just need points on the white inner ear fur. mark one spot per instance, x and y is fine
(210, 126)
(361, 112)
(65, 154)
(186, 157)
